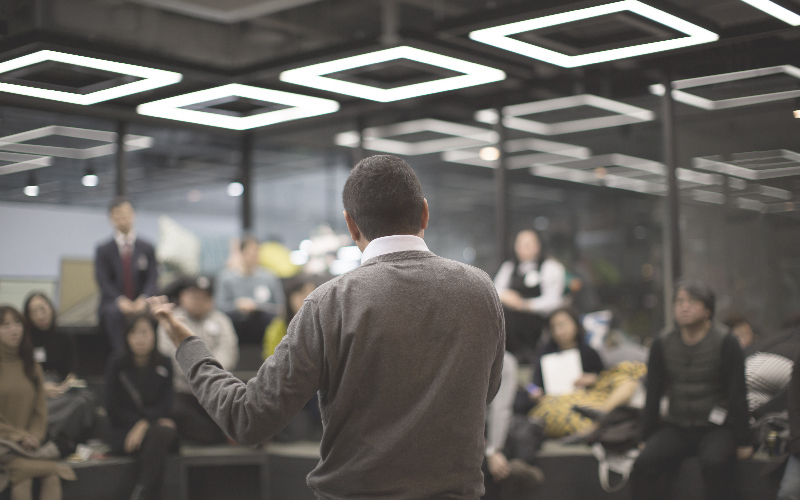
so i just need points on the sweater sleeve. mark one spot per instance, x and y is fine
(37, 425)
(733, 373)
(656, 381)
(254, 411)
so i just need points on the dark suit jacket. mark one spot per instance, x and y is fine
(108, 270)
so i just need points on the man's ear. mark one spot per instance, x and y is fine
(355, 233)
(425, 214)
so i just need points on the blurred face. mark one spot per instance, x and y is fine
(527, 246)
(11, 331)
(122, 218)
(142, 338)
(689, 310)
(40, 312)
(563, 329)
(744, 334)
(197, 302)
(250, 255)
(296, 298)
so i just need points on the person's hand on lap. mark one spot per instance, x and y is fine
(136, 435)
(498, 466)
(744, 452)
(586, 380)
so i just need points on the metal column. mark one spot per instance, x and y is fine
(122, 163)
(501, 193)
(246, 173)
(672, 235)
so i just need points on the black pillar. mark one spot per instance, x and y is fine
(501, 192)
(246, 173)
(672, 234)
(358, 152)
(122, 164)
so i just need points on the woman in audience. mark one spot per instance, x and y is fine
(23, 415)
(70, 409)
(596, 389)
(139, 400)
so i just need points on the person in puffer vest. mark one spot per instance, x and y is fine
(698, 365)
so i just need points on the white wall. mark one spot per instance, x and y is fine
(34, 238)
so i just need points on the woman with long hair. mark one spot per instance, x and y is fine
(139, 402)
(23, 414)
(70, 407)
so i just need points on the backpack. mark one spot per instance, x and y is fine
(615, 444)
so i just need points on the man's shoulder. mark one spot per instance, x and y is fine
(106, 244)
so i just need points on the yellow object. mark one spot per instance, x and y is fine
(275, 332)
(275, 257)
(556, 411)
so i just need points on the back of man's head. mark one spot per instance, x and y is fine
(383, 196)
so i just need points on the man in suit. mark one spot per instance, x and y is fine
(126, 273)
(404, 352)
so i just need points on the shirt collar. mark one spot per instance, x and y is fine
(391, 244)
(122, 239)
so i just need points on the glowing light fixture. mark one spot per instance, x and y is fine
(512, 115)
(501, 36)
(753, 166)
(90, 178)
(776, 10)
(377, 138)
(300, 106)
(235, 189)
(701, 102)
(151, 78)
(797, 113)
(489, 153)
(313, 76)
(21, 163)
(547, 152)
(32, 188)
(17, 142)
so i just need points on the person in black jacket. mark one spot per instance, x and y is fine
(790, 484)
(70, 406)
(126, 273)
(699, 366)
(139, 402)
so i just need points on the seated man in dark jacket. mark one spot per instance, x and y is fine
(699, 366)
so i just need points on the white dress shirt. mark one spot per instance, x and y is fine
(551, 277)
(124, 239)
(391, 244)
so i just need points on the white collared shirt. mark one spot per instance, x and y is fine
(123, 239)
(391, 244)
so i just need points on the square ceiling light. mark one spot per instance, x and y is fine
(147, 78)
(701, 102)
(501, 36)
(776, 11)
(469, 74)
(379, 138)
(753, 166)
(512, 115)
(17, 142)
(196, 107)
(14, 162)
(547, 152)
(623, 172)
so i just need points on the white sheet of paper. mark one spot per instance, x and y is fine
(560, 370)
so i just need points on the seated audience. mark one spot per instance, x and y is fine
(790, 484)
(507, 468)
(531, 286)
(250, 296)
(23, 416)
(297, 289)
(70, 409)
(566, 332)
(699, 366)
(741, 329)
(196, 309)
(126, 272)
(139, 403)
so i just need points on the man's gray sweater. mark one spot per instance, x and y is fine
(405, 353)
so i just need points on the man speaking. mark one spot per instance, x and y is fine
(405, 353)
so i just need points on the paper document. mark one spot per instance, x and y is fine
(560, 370)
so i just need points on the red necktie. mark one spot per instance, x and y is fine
(127, 275)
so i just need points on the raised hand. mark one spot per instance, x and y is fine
(162, 310)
